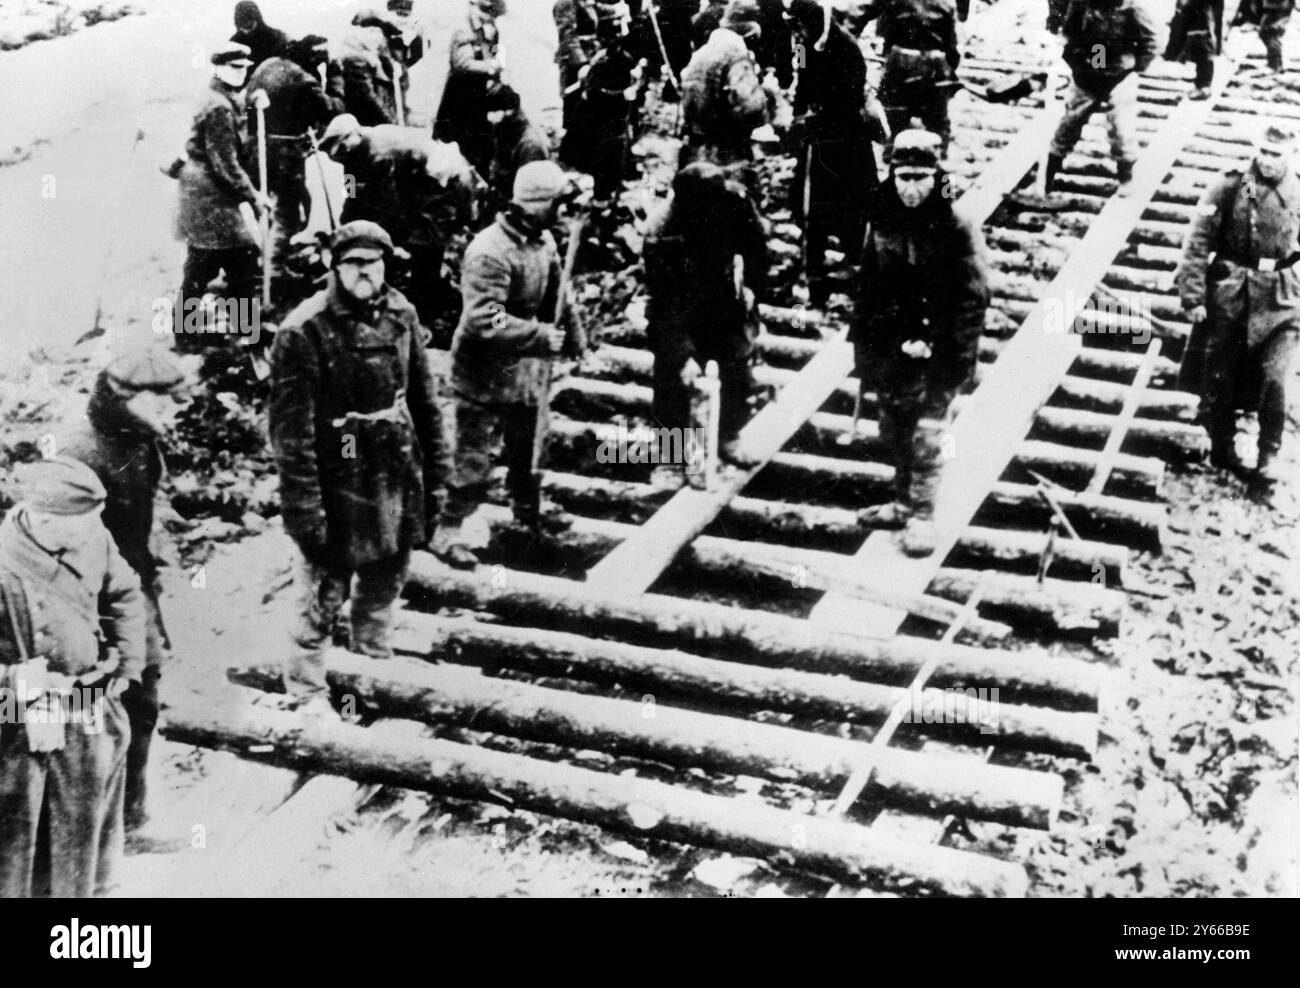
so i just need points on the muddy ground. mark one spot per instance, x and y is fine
(1194, 789)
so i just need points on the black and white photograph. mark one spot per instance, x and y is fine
(655, 449)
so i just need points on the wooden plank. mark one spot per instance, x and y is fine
(998, 415)
(1126, 417)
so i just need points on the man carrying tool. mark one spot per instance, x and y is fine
(578, 23)
(1245, 304)
(723, 100)
(699, 310)
(921, 59)
(502, 354)
(297, 105)
(134, 405)
(836, 168)
(1108, 43)
(214, 184)
(917, 324)
(357, 436)
(72, 631)
(515, 142)
(421, 191)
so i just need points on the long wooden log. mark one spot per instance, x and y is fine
(820, 527)
(718, 631)
(456, 694)
(1179, 441)
(620, 803)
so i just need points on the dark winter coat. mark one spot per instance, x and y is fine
(509, 283)
(691, 243)
(723, 100)
(215, 179)
(924, 277)
(515, 142)
(1237, 229)
(125, 455)
(355, 427)
(298, 102)
(598, 135)
(361, 77)
(462, 114)
(263, 42)
(1196, 30)
(1105, 40)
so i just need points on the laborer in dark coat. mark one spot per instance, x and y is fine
(515, 142)
(260, 38)
(1196, 36)
(361, 77)
(598, 134)
(214, 182)
(578, 24)
(421, 191)
(135, 402)
(357, 435)
(671, 37)
(475, 65)
(1245, 305)
(698, 309)
(836, 168)
(298, 104)
(71, 642)
(921, 59)
(917, 324)
(501, 355)
(723, 99)
(1272, 18)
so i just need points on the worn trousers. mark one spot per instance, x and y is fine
(324, 588)
(913, 420)
(61, 811)
(141, 703)
(243, 281)
(481, 428)
(1232, 368)
(1121, 116)
(286, 178)
(672, 399)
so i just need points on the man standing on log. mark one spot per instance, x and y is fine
(501, 355)
(1245, 304)
(1196, 36)
(357, 436)
(135, 403)
(697, 312)
(72, 627)
(723, 100)
(1108, 44)
(917, 325)
(921, 59)
(420, 190)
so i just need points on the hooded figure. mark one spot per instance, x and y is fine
(698, 309)
(262, 40)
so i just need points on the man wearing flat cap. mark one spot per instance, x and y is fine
(501, 355)
(916, 326)
(357, 437)
(72, 629)
(214, 182)
(132, 408)
(420, 190)
(1240, 286)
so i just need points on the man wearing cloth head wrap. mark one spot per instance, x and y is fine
(917, 324)
(72, 629)
(1245, 306)
(262, 40)
(501, 355)
(134, 405)
(358, 442)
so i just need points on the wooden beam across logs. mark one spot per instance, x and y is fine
(762, 638)
(817, 526)
(1064, 605)
(461, 695)
(1137, 476)
(625, 804)
(1130, 523)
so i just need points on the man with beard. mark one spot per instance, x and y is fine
(214, 182)
(836, 168)
(357, 436)
(916, 328)
(297, 105)
(135, 403)
(421, 191)
(475, 66)
(1245, 304)
(501, 356)
(696, 311)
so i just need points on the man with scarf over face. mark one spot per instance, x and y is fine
(917, 324)
(1245, 304)
(836, 169)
